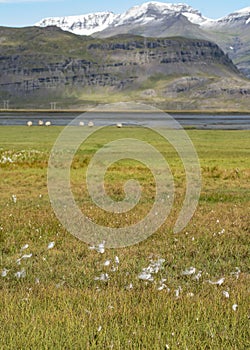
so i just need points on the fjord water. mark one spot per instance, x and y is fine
(199, 121)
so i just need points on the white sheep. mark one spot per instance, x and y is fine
(90, 124)
(48, 123)
(40, 122)
(29, 123)
(81, 123)
(119, 125)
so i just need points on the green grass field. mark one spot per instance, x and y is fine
(56, 302)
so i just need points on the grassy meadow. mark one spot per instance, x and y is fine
(67, 296)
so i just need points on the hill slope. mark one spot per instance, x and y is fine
(156, 19)
(39, 65)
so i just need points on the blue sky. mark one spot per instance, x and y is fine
(26, 12)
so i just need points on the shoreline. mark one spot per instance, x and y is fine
(176, 112)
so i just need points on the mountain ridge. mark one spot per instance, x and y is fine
(156, 19)
(135, 12)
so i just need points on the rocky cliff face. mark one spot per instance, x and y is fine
(117, 63)
(38, 63)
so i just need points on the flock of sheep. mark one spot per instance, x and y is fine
(81, 123)
(40, 123)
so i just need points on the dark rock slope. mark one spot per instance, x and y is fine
(46, 61)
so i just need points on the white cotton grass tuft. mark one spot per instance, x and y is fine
(235, 307)
(60, 284)
(130, 286)
(25, 256)
(219, 233)
(20, 274)
(146, 276)
(226, 294)
(107, 263)
(103, 277)
(5, 160)
(163, 286)
(114, 267)
(178, 291)
(100, 248)
(190, 271)
(163, 280)
(236, 273)
(218, 283)
(14, 198)
(4, 272)
(197, 276)
(51, 245)
(153, 268)
(26, 246)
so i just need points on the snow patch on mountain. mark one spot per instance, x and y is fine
(151, 11)
(245, 10)
(240, 15)
(141, 15)
(195, 18)
(83, 24)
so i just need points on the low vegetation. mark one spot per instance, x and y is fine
(68, 296)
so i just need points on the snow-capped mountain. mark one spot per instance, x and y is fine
(81, 25)
(142, 14)
(151, 11)
(240, 16)
(157, 19)
(146, 14)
